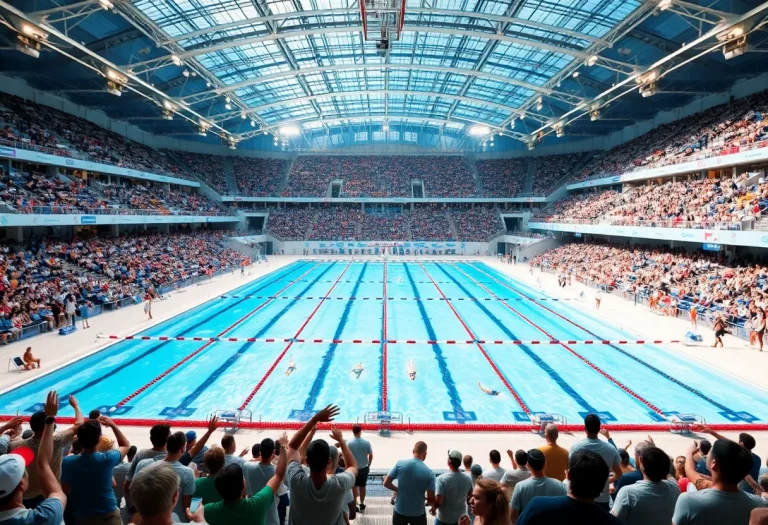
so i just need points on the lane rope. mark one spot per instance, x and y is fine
(384, 348)
(290, 343)
(312, 297)
(516, 342)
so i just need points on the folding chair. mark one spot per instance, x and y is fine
(17, 362)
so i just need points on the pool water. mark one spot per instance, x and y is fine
(457, 301)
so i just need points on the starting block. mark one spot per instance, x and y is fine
(233, 418)
(542, 419)
(384, 420)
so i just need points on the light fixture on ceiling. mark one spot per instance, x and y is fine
(185, 73)
(648, 90)
(176, 60)
(385, 126)
(203, 129)
(531, 145)
(592, 60)
(228, 106)
(559, 128)
(594, 112)
(106, 4)
(232, 144)
(242, 114)
(208, 83)
(115, 81)
(735, 48)
(539, 104)
(479, 130)
(665, 4)
(289, 130)
(167, 114)
(266, 132)
(168, 105)
(575, 74)
(253, 123)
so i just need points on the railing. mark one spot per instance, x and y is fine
(671, 223)
(719, 152)
(74, 210)
(563, 221)
(74, 154)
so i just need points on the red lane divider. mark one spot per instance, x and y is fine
(313, 297)
(288, 346)
(572, 351)
(426, 427)
(206, 345)
(392, 341)
(384, 348)
(480, 346)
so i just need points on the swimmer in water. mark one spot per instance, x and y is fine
(411, 370)
(488, 390)
(291, 367)
(359, 369)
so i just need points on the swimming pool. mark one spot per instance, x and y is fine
(452, 302)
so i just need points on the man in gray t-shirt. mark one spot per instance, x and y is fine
(608, 452)
(258, 473)
(317, 497)
(536, 485)
(496, 472)
(414, 481)
(452, 490)
(361, 449)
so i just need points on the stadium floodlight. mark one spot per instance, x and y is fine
(228, 106)
(266, 132)
(204, 125)
(289, 130)
(591, 61)
(665, 4)
(242, 114)
(648, 90)
(115, 76)
(28, 46)
(106, 4)
(539, 104)
(253, 123)
(735, 48)
(385, 126)
(176, 60)
(185, 73)
(232, 144)
(594, 112)
(168, 105)
(31, 31)
(531, 145)
(575, 74)
(167, 114)
(559, 128)
(479, 130)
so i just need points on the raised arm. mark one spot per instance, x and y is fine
(122, 442)
(349, 458)
(690, 465)
(276, 480)
(48, 482)
(325, 415)
(198, 447)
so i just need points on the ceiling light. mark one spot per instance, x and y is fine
(665, 4)
(115, 76)
(168, 105)
(531, 145)
(559, 131)
(575, 74)
(106, 4)
(735, 48)
(648, 90)
(185, 73)
(385, 126)
(289, 130)
(539, 104)
(176, 60)
(33, 31)
(478, 130)
(591, 61)
(253, 124)
(227, 99)
(228, 105)
(266, 132)
(167, 114)
(242, 114)
(208, 84)
(28, 46)
(114, 88)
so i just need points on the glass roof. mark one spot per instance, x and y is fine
(463, 61)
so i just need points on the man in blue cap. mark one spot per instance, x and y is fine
(196, 449)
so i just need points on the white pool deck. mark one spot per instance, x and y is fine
(639, 323)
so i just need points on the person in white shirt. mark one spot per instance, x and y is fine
(652, 500)
(537, 485)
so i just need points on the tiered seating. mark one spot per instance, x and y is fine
(551, 169)
(477, 224)
(166, 202)
(384, 227)
(258, 177)
(719, 130)
(339, 224)
(28, 125)
(208, 168)
(290, 224)
(430, 225)
(502, 177)
(580, 207)
(39, 193)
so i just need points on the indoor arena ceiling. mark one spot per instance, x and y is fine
(523, 68)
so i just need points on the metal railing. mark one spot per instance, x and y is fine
(74, 154)
(74, 210)
(671, 223)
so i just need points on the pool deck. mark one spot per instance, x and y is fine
(639, 322)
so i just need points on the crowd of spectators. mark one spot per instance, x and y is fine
(164, 202)
(551, 169)
(477, 224)
(722, 203)
(430, 225)
(36, 126)
(422, 224)
(78, 474)
(380, 176)
(701, 278)
(258, 177)
(208, 168)
(503, 178)
(720, 130)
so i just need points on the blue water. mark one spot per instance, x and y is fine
(544, 378)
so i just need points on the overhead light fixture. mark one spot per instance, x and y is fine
(735, 48)
(539, 104)
(594, 112)
(106, 4)
(559, 131)
(168, 105)
(479, 130)
(114, 88)
(227, 99)
(203, 130)
(253, 123)
(648, 77)
(289, 130)
(385, 126)
(30, 30)
(242, 114)
(591, 61)
(228, 106)
(266, 132)
(208, 83)
(531, 145)
(167, 114)
(648, 90)
(28, 46)
(232, 144)
(575, 74)
(665, 4)
(115, 76)
(185, 73)
(176, 60)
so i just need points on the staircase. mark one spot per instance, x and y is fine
(475, 175)
(528, 185)
(378, 511)
(231, 182)
(452, 224)
(286, 175)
